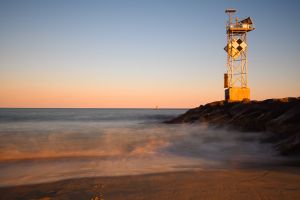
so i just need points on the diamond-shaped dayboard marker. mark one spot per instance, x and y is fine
(235, 47)
(233, 52)
(239, 44)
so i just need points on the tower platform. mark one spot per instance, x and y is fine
(237, 94)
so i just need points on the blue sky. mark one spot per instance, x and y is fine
(140, 53)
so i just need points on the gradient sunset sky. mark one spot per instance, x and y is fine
(140, 53)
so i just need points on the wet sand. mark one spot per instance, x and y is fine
(209, 184)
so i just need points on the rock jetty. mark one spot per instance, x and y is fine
(278, 119)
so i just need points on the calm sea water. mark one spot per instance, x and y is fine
(41, 145)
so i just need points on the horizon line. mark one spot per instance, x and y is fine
(148, 108)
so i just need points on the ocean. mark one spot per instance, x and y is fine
(44, 145)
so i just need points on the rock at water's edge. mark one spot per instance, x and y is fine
(278, 116)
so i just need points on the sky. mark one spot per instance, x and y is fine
(140, 53)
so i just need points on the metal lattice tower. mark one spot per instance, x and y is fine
(236, 78)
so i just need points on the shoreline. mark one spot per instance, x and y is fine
(277, 183)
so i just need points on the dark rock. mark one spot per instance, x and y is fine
(281, 117)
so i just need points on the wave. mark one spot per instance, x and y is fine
(197, 142)
(47, 151)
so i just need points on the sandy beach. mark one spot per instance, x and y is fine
(216, 184)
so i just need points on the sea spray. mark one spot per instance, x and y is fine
(105, 142)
